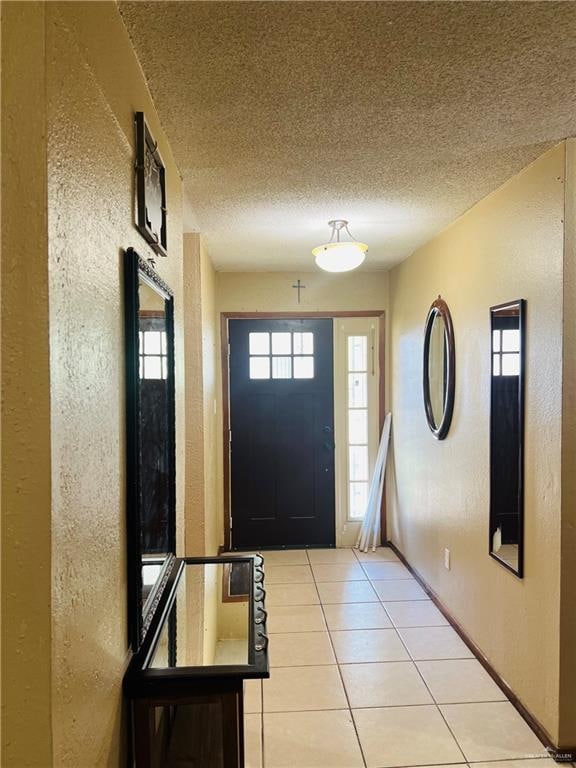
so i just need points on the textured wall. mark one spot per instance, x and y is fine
(211, 395)
(202, 535)
(26, 551)
(194, 502)
(508, 246)
(568, 582)
(94, 86)
(272, 291)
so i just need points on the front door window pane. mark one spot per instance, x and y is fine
(281, 343)
(304, 367)
(281, 367)
(259, 344)
(303, 343)
(259, 367)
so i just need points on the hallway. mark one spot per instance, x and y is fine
(365, 671)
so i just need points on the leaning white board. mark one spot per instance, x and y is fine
(370, 528)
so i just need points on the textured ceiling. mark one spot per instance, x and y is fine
(395, 115)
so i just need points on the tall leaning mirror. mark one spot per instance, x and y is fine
(150, 442)
(508, 338)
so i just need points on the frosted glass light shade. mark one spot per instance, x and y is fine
(340, 257)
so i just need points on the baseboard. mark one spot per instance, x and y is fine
(561, 755)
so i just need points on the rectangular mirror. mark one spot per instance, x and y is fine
(150, 443)
(508, 338)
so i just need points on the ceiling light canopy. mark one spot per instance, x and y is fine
(339, 256)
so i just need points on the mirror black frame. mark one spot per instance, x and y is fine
(521, 304)
(439, 307)
(135, 270)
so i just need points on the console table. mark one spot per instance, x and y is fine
(185, 683)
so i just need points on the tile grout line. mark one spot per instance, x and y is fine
(435, 703)
(381, 602)
(431, 694)
(363, 756)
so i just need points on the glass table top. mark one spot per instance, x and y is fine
(209, 622)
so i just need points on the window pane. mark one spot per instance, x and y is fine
(495, 341)
(153, 367)
(511, 364)
(281, 343)
(260, 367)
(303, 343)
(358, 456)
(304, 367)
(357, 390)
(357, 427)
(259, 345)
(496, 365)
(163, 343)
(164, 367)
(357, 353)
(281, 367)
(141, 373)
(141, 341)
(152, 343)
(511, 340)
(358, 500)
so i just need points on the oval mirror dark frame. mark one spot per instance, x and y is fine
(440, 308)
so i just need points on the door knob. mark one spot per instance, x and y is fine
(327, 429)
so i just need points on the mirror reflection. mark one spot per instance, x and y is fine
(439, 368)
(507, 434)
(437, 372)
(209, 623)
(154, 437)
(150, 438)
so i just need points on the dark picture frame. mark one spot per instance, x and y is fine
(150, 188)
(440, 308)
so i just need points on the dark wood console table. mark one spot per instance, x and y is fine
(185, 683)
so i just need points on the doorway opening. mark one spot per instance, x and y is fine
(303, 407)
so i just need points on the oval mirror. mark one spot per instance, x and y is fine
(439, 368)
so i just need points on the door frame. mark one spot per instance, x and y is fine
(225, 365)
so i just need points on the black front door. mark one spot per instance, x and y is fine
(282, 433)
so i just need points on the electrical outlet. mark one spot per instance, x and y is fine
(447, 559)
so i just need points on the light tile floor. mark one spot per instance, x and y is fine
(367, 673)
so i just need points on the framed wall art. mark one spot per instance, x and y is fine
(150, 188)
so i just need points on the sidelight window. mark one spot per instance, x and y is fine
(282, 355)
(357, 426)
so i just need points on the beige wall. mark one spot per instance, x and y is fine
(212, 396)
(91, 204)
(202, 531)
(26, 473)
(273, 292)
(568, 578)
(508, 246)
(68, 158)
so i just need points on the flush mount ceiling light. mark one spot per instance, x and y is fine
(337, 256)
